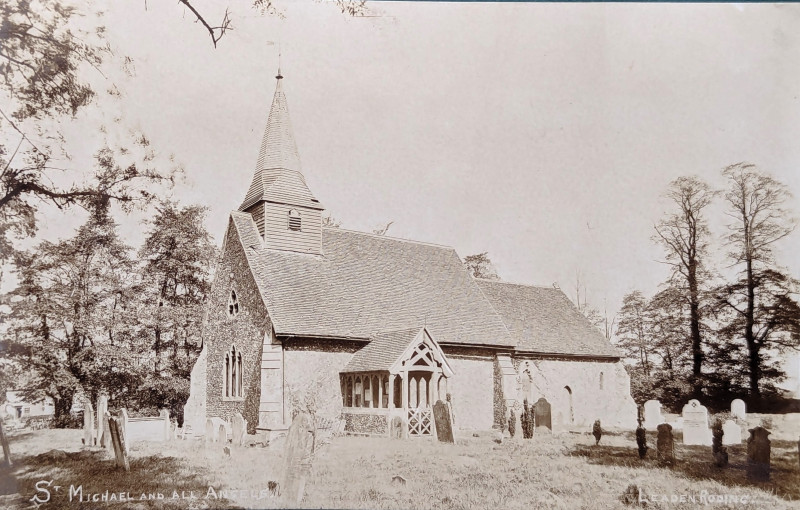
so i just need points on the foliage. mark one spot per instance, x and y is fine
(597, 432)
(527, 420)
(512, 423)
(480, 266)
(719, 452)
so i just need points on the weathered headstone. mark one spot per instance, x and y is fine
(444, 427)
(102, 407)
(665, 445)
(738, 409)
(695, 424)
(732, 433)
(758, 451)
(652, 414)
(239, 429)
(398, 428)
(123, 423)
(297, 459)
(164, 415)
(88, 424)
(6, 449)
(118, 440)
(541, 412)
(107, 441)
(222, 434)
(210, 429)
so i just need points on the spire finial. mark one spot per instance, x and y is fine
(279, 76)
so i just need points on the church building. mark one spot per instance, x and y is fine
(367, 328)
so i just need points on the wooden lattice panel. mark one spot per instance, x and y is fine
(420, 422)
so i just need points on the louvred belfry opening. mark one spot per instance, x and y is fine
(278, 196)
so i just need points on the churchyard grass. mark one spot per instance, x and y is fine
(565, 471)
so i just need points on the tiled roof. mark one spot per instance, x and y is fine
(277, 176)
(382, 352)
(365, 284)
(544, 320)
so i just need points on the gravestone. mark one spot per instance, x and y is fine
(118, 440)
(541, 412)
(758, 450)
(695, 424)
(732, 433)
(88, 424)
(209, 437)
(107, 441)
(652, 414)
(665, 445)
(397, 428)
(444, 426)
(738, 409)
(296, 459)
(123, 422)
(102, 407)
(6, 450)
(164, 415)
(239, 428)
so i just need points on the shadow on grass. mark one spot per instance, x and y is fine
(95, 472)
(696, 462)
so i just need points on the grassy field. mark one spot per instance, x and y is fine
(566, 471)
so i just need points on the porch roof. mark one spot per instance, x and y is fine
(382, 352)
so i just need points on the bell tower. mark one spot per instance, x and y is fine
(287, 214)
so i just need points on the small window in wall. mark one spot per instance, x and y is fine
(294, 220)
(601, 380)
(233, 382)
(233, 304)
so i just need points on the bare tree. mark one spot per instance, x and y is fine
(684, 234)
(480, 266)
(762, 300)
(633, 331)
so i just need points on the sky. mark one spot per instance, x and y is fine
(544, 134)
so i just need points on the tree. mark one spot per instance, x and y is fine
(72, 324)
(633, 331)
(763, 310)
(331, 222)
(684, 236)
(177, 257)
(44, 50)
(480, 266)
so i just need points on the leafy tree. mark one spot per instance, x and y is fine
(684, 235)
(480, 266)
(177, 256)
(763, 310)
(72, 319)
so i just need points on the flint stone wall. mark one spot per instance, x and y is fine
(246, 331)
(362, 423)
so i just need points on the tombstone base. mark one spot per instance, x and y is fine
(269, 434)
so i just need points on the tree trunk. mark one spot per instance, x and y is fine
(697, 341)
(753, 349)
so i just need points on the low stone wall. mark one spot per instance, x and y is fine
(375, 422)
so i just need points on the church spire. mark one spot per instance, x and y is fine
(278, 148)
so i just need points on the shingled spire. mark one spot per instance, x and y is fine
(286, 212)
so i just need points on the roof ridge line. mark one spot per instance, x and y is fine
(401, 239)
(534, 285)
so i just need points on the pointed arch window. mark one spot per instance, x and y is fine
(233, 304)
(233, 373)
(294, 220)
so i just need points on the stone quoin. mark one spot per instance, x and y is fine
(375, 330)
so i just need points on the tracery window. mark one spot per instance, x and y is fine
(233, 382)
(233, 304)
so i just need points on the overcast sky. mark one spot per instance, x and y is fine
(544, 134)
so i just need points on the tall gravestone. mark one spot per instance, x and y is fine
(738, 409)
(102, 407)
(665, 445)
(296, 459)
(732, 433)
(164, 415)
(88, 424)
(238, 429)
(758, 452)
(397, 428)
(210, 431)
(542, 416)
(123, 422)
(119, 443)
(444, 426)
(652, 414)
(695, 424)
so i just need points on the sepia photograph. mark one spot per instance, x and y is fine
(367, 254)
